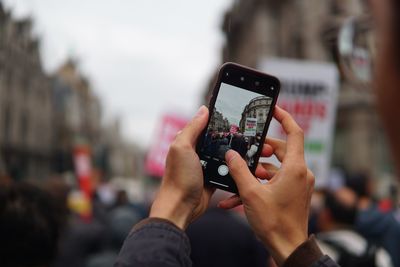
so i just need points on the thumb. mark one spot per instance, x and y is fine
(239, 171)
(194, 128)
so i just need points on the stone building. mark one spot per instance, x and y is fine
(77, 114)
(43, 118)
(25, 102)
(218, 122)
(120, 158)
(306, 29)
(257, 108)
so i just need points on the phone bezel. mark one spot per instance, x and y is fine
(251, 76)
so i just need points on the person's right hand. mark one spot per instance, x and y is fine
(277, 211)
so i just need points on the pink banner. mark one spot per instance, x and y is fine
(167, 130)
(234, 129)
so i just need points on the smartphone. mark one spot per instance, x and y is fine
(241, 109)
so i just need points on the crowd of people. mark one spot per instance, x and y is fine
(351, 226)
(216, 144)
(40, 227)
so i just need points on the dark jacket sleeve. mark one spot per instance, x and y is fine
(308, 254)
(155, 242)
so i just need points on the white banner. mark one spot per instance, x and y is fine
(250, 127)
(309, 92)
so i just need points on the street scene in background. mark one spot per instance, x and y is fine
(93, 93)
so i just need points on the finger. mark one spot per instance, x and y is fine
(278, 147)
(261, 173)
(310, 186)
(195, 127)
(230, 202)
(267, 151)
(239, 171)
(209, 191)
(295, 136)
(266, 171)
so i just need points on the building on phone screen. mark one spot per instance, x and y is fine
(257, 108)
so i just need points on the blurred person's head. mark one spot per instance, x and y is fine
(387, 75)
(360, 183)
(29, 226)
(338, 211)
(59, 190)
(121, 198)
(4, 179)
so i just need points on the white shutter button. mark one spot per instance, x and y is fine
(223, 170)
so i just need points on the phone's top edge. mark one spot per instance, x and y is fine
(250, 70)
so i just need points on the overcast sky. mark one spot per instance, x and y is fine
(144, 57)
(231, 101)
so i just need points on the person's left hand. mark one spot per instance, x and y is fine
(182, 196)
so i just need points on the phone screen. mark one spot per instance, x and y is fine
(238, 121)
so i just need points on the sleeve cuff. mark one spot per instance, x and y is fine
(304, 255)
(154, 220)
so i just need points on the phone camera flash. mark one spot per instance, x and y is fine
(257, 83)
(272, 88)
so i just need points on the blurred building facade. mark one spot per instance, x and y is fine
(120, 158)
(77, 114)
(306, 29)
(44, 118)
(25, 102)
(218, 122)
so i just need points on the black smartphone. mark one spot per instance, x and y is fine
(241, 109)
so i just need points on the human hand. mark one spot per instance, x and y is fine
(182, 196)
(277, 211)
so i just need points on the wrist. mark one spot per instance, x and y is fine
(282, 247)
(172, 208)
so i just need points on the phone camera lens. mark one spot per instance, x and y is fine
(242, 79)
(257, 83)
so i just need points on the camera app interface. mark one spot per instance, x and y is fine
(237, 123)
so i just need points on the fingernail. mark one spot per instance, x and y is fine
(230, 155)
(201, 111)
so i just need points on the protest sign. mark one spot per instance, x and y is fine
(170, 125)
(250, 128)
(233, 129)
(309, 92)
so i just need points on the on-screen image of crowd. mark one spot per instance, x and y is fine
(216, 144)
(237, 123)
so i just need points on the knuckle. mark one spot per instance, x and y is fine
(179, 147)
(174, 147)
(301, 170)
(310, 178)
